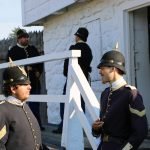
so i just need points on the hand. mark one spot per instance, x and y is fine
(97, 125)
(37, 74)
(29, 68)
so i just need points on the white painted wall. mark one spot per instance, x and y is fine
(107, 21)
(37, 9)
(103, 25)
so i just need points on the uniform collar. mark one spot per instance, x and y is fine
(118, 84)
(80, 41)
(14, 101)
(21, 46)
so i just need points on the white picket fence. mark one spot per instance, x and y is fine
(74, 117)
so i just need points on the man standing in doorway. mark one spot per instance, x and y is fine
(84, 61)
(23, 50)
(122, 124)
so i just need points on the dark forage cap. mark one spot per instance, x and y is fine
(82, 33)
(22, 33)
(113, 58)
(14, 76)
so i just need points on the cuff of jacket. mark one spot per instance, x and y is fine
(128, 146)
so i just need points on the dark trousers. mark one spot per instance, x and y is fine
(109, 146)
(35, 106)
(62, 105)
(62, 108)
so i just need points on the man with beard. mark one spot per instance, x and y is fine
(23, 50)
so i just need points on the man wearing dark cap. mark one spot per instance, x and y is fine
(84, 61)
(86, 53)
(22, 51)
(19, 129)
(122, 124)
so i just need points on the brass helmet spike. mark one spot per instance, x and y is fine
(22, 70)
(11, 63)
(116, 47)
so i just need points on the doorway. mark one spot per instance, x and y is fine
(139, 22)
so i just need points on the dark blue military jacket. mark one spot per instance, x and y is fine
(85, 59)
(18, 53)
(19, 129)
(124, 116)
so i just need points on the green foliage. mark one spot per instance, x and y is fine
(13, 33)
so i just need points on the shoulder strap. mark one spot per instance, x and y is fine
(130, 87)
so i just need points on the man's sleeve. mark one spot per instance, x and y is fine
(139, 125)
(39, 66)
(97, 133)
(66, 63)
(3, 132)
(65, 70)
(8, 55)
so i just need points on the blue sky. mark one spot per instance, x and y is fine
(11, 17)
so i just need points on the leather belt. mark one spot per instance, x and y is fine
(108, 138)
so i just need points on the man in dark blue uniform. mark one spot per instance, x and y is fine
(84, 61)
(19, 129)
(122, 124)
(23, 50)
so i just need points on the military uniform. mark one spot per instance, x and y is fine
(19, 129)
(122, 111)
(85, 59)
(19, 52)
(84, 62)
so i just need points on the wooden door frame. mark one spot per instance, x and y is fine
(127, 35)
